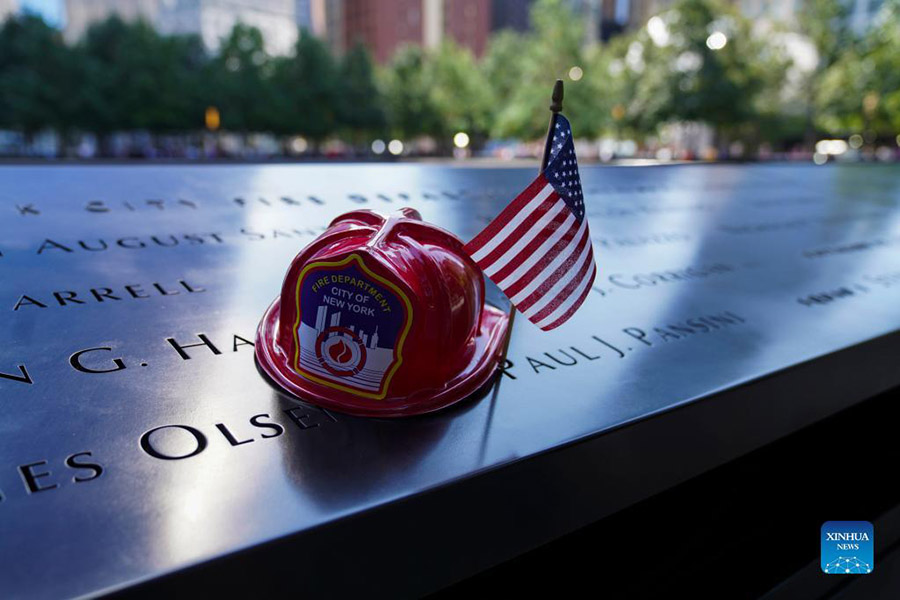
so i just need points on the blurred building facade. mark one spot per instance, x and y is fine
(303, 14)
(7, 8)
(212, 20)
(385, 25)
(467, 22)
(510, 14)
(606, 18)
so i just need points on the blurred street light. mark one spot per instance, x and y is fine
(870, 103)
(831, 147)
(299, 145)
(716, 40)
(658, 31)
(212, 118)
(395, 147)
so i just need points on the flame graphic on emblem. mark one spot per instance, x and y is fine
(340, 352)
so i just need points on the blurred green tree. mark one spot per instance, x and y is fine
(38, 77)
(700, 62)
(501, 66)
(610, 89)
(307, 91)
(547, 53)
(137, 79)
(458, 91)
(437, 93)
(360, 105)
(860, 91)
(240, 83)
(826, 24)
(408, 100)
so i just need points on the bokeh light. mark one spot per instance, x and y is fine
(658, 31)
(716, 40)
(395, 147)
(461, 139)
(299, 145)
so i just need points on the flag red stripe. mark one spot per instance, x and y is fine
(518, 285)
(506, 215)
(565, 293)
(571, 311)
(539, 211)
(534, 244)
(558, 274)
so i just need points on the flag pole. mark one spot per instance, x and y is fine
(555, 108)
(556, 101)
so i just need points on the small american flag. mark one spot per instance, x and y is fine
(538, 250)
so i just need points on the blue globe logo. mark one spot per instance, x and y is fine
(847, 565)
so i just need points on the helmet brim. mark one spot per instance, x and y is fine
(489, 345)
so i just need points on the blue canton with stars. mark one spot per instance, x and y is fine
(562, 170)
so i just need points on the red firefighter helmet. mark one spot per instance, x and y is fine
(382, 316)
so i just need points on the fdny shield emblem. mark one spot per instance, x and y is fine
(351, 325)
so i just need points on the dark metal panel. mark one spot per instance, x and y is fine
(754, 299)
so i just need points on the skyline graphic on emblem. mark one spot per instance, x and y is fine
(351, 327)
(351, 354)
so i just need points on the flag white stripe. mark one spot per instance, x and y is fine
(510, 227)
(540, 253)
(551, 294)
(537, 227)
(551, 266)
(562, 308)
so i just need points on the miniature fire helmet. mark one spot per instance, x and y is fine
(382, 316)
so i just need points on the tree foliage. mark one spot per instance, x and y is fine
(126, 77)
(306, 85)
(360, 105)
(546, 53)
(860, 90)
(408, 98)
(458, 90)
(37, 77)
(700, 62)
(239, 82)
(136, 79)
